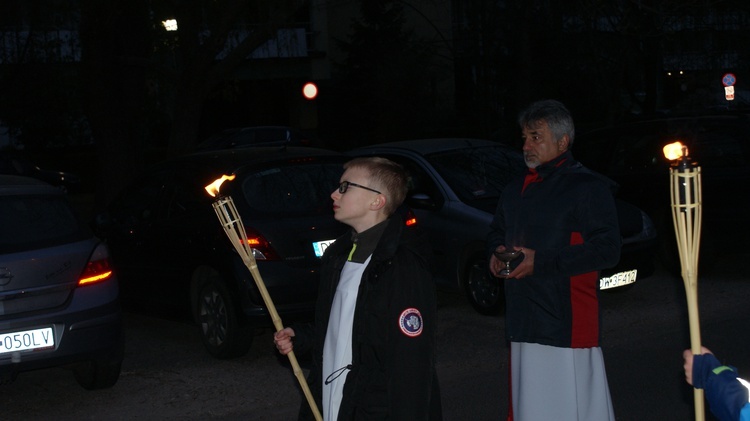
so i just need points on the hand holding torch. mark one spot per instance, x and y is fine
(230, 220)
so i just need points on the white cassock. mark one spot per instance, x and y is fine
(337, 348)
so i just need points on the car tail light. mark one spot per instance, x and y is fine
(262, 249)
(98, 268)
(410, 219)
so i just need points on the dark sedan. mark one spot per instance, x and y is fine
(456, 187)
(175, 259)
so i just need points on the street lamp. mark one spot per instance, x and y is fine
(170, 24)
(685, 189)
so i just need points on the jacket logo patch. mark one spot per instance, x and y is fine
(410, 322)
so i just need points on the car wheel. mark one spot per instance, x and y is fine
(94, 375)
(221, 331)
(485, 293)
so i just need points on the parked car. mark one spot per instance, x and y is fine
(456, 187)
(12, 163)
(59, 302)
(174, 257)
(256, 136)
(631, 154)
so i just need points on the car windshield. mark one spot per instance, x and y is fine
(292, 190)
(478, 175)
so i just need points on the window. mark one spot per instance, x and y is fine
(292, 190)
(36, 221)
(478, 173)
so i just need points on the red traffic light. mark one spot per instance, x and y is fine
(310, 90)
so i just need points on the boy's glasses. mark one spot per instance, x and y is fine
(344, 186)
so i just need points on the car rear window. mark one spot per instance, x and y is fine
(292, 190)
(37, 221)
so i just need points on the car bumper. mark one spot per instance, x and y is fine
(86, 335)
(636, 263)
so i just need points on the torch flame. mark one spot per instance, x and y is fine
(675, 150)
(213, 188)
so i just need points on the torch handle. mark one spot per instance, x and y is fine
(687, 199)
(275, 318)
(691, 291)
(278, 325)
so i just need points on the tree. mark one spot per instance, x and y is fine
(483, 66)
(606, 59)
(115, 40)
(130, 84)
(204, 29)
(385, 86)
(39, 93)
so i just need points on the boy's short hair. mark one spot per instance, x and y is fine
(386, 176)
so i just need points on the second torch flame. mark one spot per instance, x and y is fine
(675, 150)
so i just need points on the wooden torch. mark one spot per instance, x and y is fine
(685, 188)
(230, 220)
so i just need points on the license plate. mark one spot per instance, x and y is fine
(26, 340)
(618, 279)
(321, 246)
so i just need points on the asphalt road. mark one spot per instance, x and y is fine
(168, 376)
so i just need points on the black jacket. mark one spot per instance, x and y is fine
(392, 375)
(567, 214)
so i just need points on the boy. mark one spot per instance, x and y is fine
(374, 332)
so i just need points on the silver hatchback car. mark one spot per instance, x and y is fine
(59, 298)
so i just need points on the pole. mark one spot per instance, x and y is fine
(235, 230)
(685, 188)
